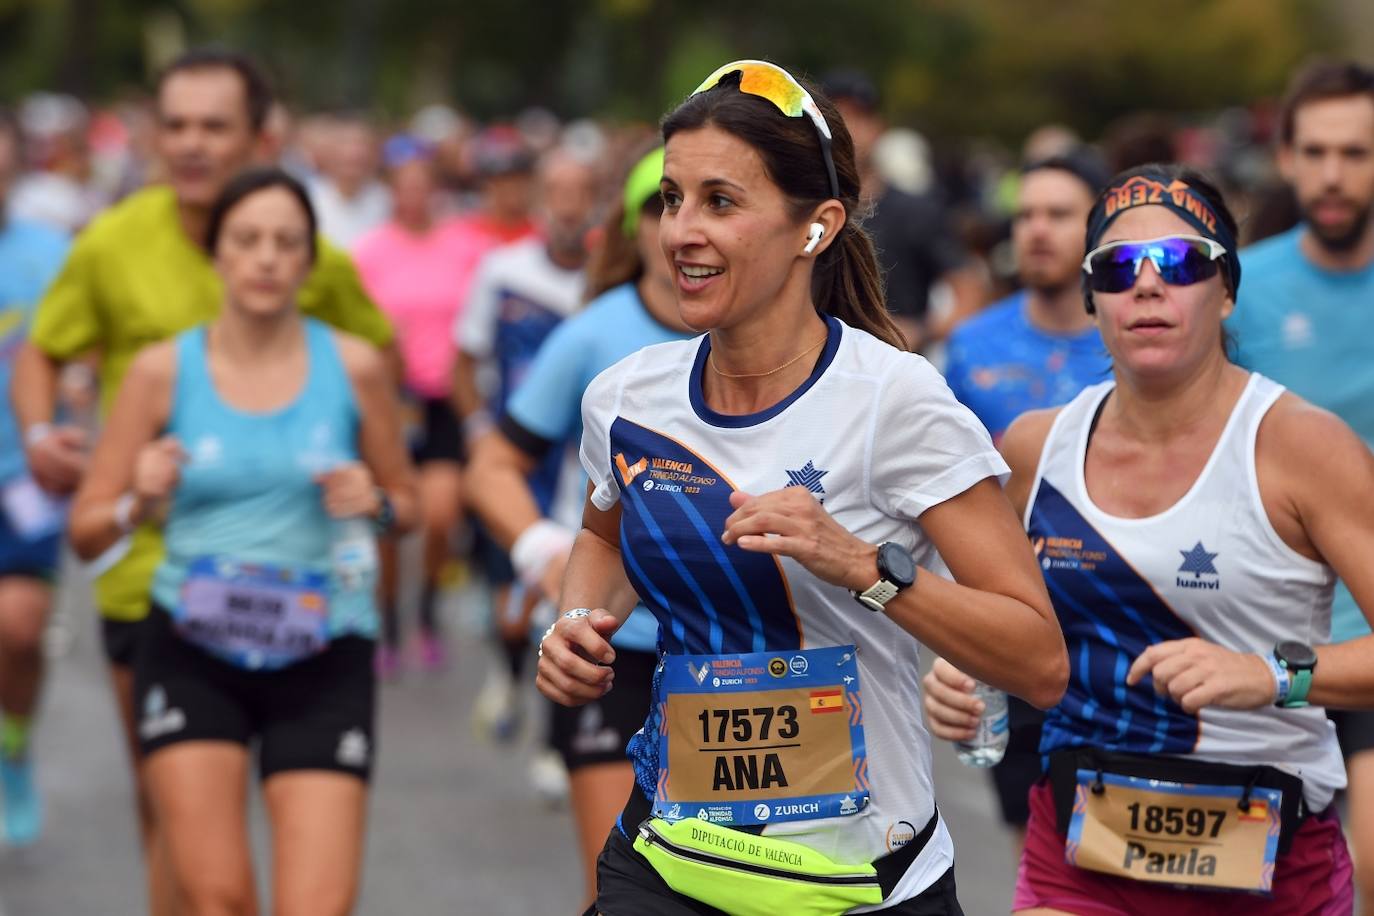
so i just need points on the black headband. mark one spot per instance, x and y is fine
(1178, 196)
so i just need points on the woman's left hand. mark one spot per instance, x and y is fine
(791, 522)
(1197, 673)
(349, 491)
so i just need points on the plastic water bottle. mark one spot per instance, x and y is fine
(354, 554)
(990, 741)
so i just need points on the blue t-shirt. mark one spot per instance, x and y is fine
(30, 256)
(1309, 330)
(548, 402)
(1000, 365)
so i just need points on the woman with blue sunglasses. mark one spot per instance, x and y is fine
(1190, 519)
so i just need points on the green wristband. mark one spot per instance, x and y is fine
(1297, 692)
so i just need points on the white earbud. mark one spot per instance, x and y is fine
(813, 237)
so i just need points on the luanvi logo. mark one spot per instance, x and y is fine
(1198, 561)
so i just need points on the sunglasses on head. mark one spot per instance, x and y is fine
(776, 85)
(1180, 260)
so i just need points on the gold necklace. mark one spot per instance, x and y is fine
(711, 360)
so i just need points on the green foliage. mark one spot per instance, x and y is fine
(971, 67)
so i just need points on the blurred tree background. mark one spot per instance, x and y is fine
(993, 68)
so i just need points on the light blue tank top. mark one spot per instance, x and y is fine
(247, 489)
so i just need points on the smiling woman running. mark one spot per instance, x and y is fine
(778, 493)
(258, 437)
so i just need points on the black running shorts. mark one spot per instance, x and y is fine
(1354, 729)
(120, 639)
(314, 715)
(597, 732)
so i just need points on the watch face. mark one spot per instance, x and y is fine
(895, 565)
(1298, 656)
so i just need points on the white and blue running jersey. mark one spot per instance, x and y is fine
(873, 433)
(1210, 566)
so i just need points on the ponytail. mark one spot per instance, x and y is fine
(848, 284)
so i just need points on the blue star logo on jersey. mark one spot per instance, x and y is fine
(807, 477)
(1198, 561)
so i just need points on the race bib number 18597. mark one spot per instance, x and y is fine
(1172, 833)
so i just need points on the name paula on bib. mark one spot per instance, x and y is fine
(1153, 862)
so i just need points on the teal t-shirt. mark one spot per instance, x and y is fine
(1310, 330)
(247, 491)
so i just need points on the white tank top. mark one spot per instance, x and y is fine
(1212, 566)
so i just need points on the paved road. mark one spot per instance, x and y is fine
(454, 830)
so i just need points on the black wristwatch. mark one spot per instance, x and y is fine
(386, 513)
(896, 571)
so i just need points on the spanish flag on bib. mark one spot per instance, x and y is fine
(830, 699)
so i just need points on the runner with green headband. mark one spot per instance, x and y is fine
(632, 307)
(779, 493)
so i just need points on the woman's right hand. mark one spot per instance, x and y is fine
(575, 658)
(157, 471)
(951, 708)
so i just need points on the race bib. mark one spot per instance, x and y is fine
(1172, 833)
(761, 737)
(32, 513)
(254, 615)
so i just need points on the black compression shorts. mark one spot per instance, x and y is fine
(1354, 730)
(314, 715)
(597, 732)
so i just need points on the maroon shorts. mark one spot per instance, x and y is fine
(1312, 879)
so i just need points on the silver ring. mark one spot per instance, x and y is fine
(576, 613)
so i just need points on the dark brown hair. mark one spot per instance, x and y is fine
(257, 93)
(1319, 81)
(847, 282)
(616, 260)
(245, 185)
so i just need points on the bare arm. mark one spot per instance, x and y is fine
(467, 397)
(995, 620)
(498, 489)
(1332, 490)
(951, 709)
(140, 411)
(34, 391)
(56, 459)
(596, 577)
(380, 442)
(574, 654)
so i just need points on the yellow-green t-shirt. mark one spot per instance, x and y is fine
(133, 278)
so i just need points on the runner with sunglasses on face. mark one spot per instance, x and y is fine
(271, 446)
(777, 492)
(1190, 518)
